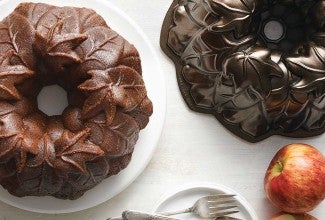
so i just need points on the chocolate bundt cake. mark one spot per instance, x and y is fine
(257, 65)
(66, 155)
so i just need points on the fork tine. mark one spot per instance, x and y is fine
(223, 201)
(219, 214)
(219, 196)
(214, 198)
(220, 208)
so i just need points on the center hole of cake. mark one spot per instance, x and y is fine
(273, 30)
(52, 100)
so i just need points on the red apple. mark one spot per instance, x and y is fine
(295, 179)
(287, 216)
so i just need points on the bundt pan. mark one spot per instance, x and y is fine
(258, 66)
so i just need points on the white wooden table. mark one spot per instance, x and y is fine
(193, 147)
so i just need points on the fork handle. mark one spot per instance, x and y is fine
(188, 210)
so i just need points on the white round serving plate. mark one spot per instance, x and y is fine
(149, 137)
(185, 196)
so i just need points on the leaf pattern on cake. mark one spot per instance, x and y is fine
(46, 153)
(122, 132)
(142, 112)
(10, 75)
(39, 175)
(57, 44)
(101, 50)
(16, 34)
(57, 39)
(14, 144)
(117, 87)
(74, 150)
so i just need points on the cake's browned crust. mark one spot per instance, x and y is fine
(64, 156)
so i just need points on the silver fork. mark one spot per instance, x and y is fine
(210, 207)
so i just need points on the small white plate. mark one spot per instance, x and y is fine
(149, 137)
(186, 196)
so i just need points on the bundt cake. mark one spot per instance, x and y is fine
(66, 155)
(257, 65)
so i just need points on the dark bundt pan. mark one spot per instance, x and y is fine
(258, 66)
